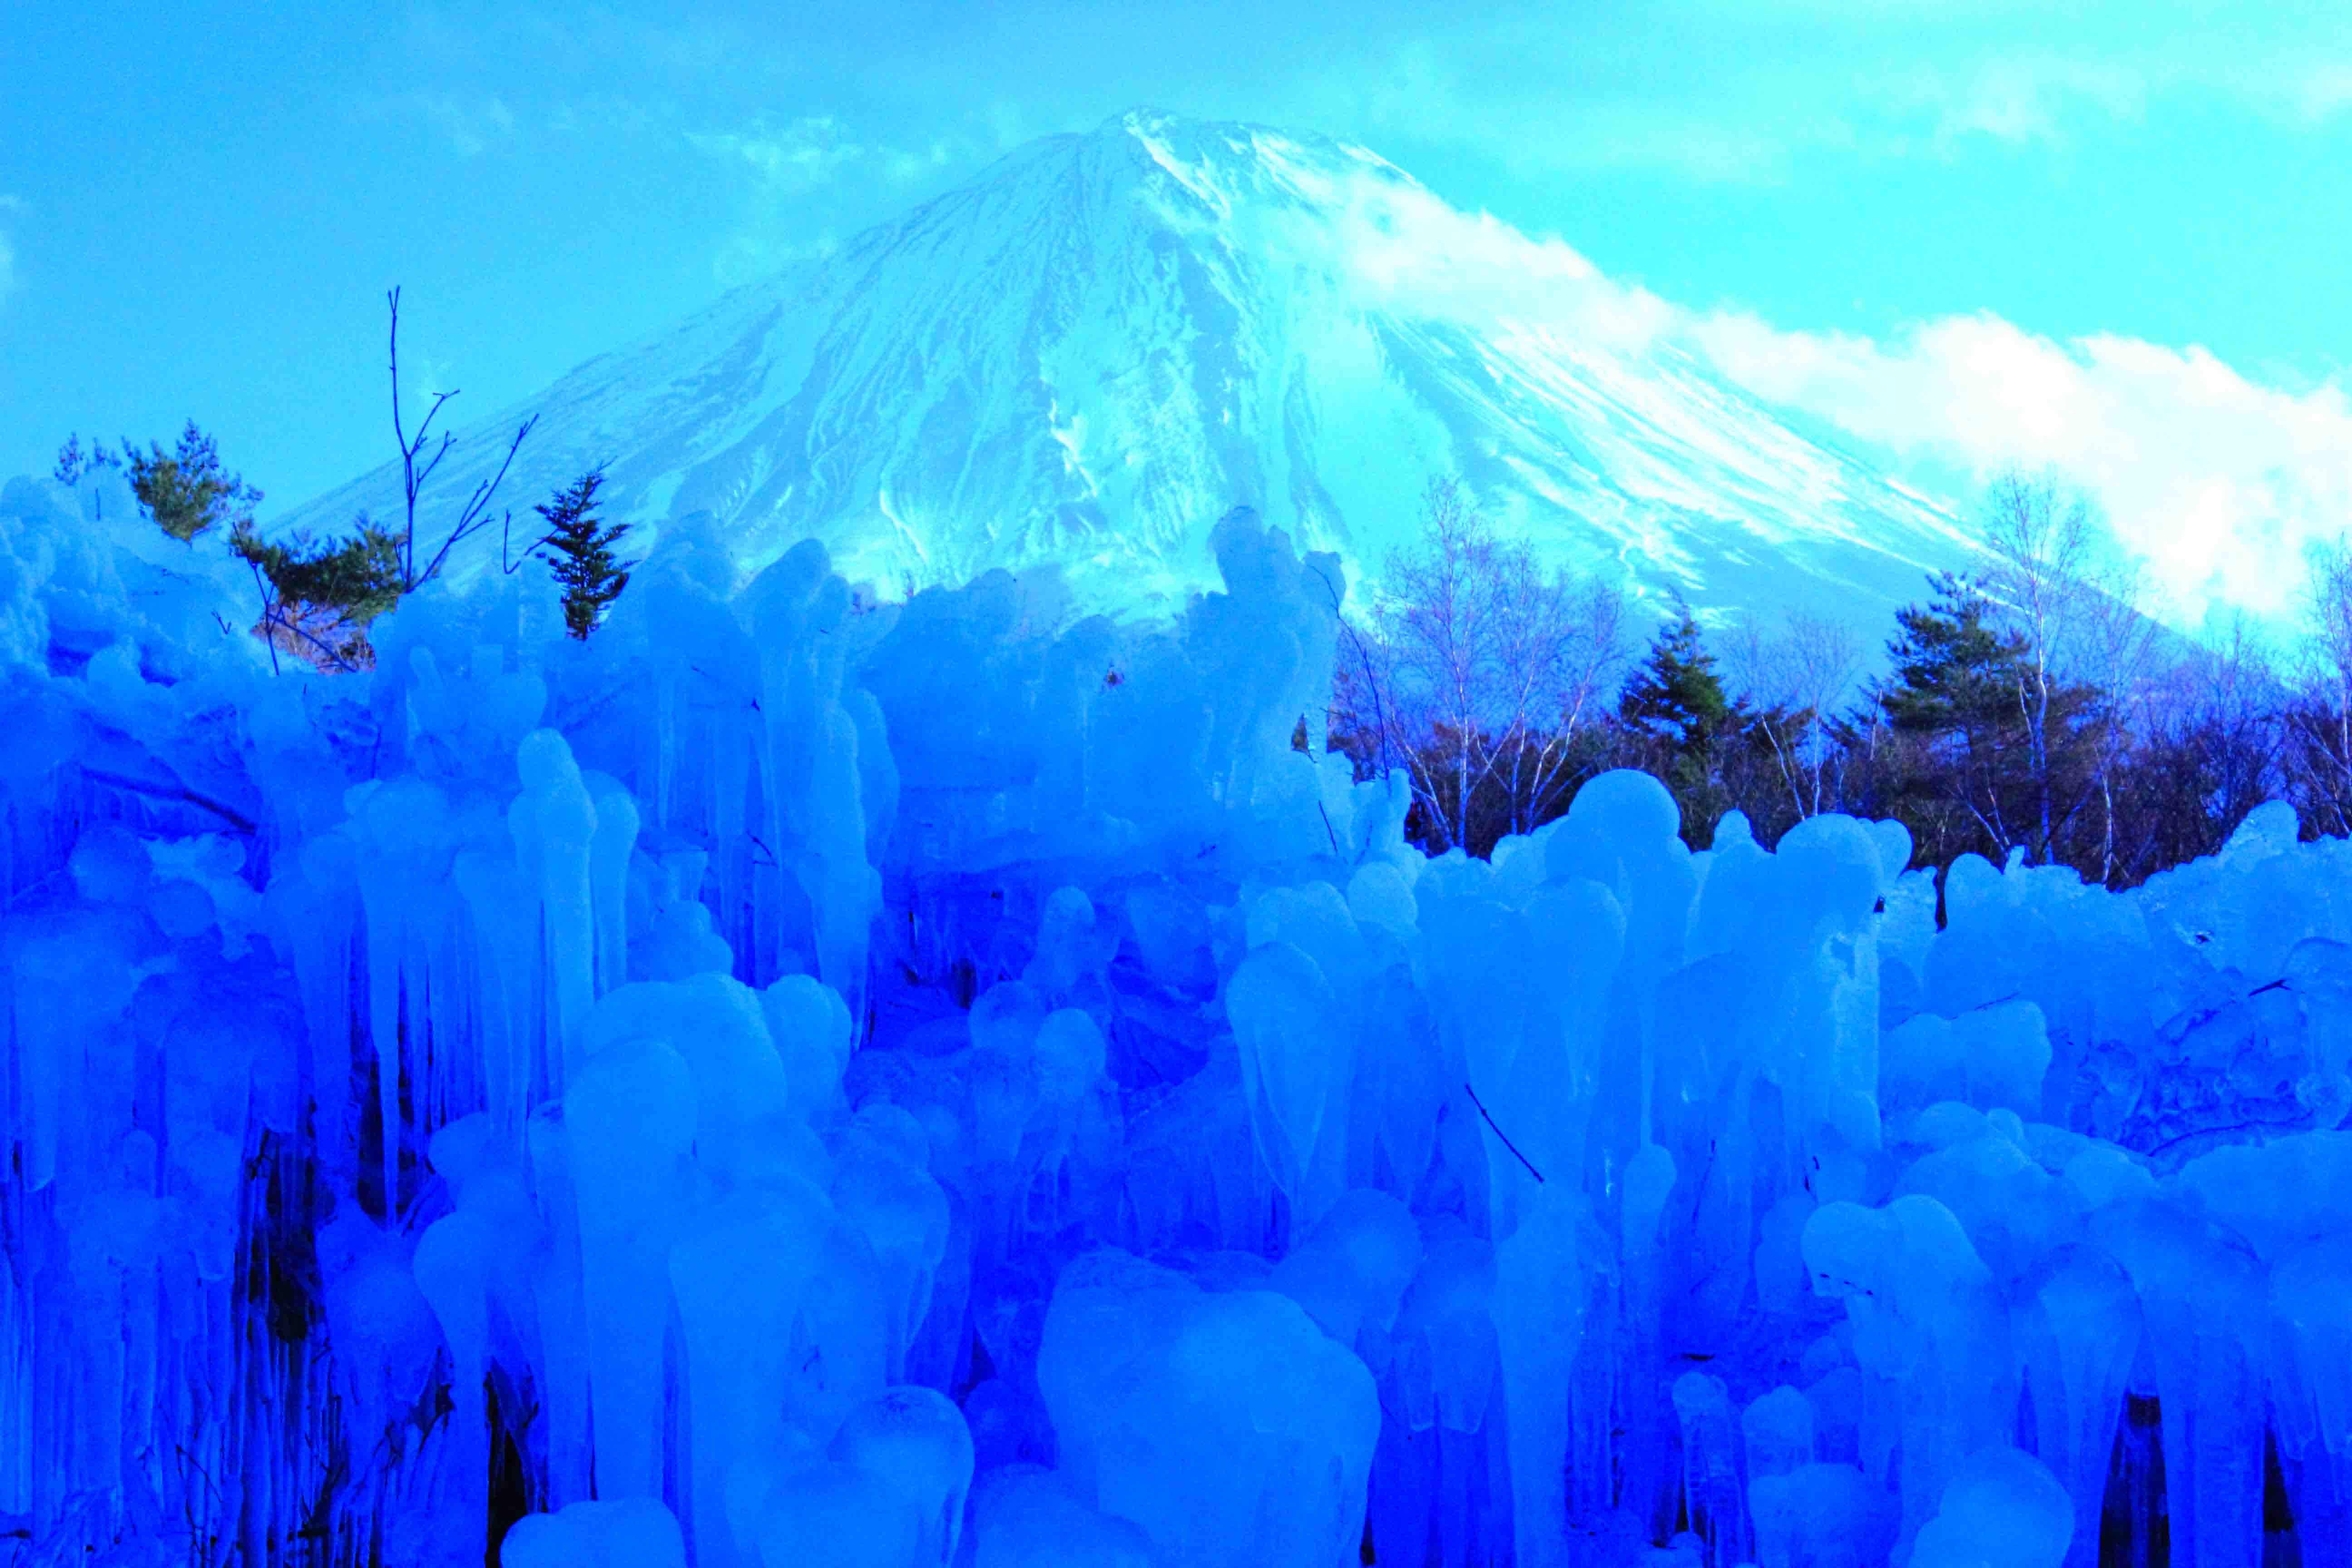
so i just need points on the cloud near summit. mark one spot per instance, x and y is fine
(2212, 478)
(810, 181)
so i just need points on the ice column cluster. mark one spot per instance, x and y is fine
(788, 1083)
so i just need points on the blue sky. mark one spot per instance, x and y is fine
(2119, 218)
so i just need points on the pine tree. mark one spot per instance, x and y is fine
(322, 593)
(1953, 741)
(73, 463)
(1673, 704)
(1952, 669)
(187, 491)
(1963, 693)
(580, 553)
(1675, 694)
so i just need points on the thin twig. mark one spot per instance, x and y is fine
(505, 530)
(267, 600)
(277, 616)
(470, 520)
(1506, 1137)
(229, 815)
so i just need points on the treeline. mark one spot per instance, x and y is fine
(2027, 709)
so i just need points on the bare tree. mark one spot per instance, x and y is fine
(1562, 644)
(2210, 742)
(1478, 667)
(2043, 539)
(2322, 721)
(1432, 652)
(474, 516)
(1795, 681)
(2114, 652)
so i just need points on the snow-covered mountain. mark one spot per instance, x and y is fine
(1087, 352)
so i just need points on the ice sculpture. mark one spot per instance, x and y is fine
(790, 1082)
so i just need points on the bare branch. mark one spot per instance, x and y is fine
(1480, 667)
(1506, 1137)
(172, 790)
(439, 452)
(291, 625)
(2058, 582)
(474, 516)
(472, 519)
(269, 601)
(504, 527)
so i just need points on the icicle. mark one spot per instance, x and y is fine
(630, 1114)
(2077, 1333)
(455, 1258)
(739, 1272)
(614, 841)
(554, 826)
(499, 900)
(1711, 1490)
(1539, 1310)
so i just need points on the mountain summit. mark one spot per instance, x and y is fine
(1091, 349)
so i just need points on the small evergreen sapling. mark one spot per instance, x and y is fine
(186, 492)
(73, 462)
(580, 546)
(359, 575)
(321, 595)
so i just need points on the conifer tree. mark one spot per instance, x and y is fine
(1674, 699)
(73, 462)
(580, 546)
(1676, 694)
(186, 492)
(1964, 688)
(1952, 669)
(321, 595)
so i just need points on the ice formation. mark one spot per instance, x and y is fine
(782, 1083)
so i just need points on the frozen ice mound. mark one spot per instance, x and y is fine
(788, 1082)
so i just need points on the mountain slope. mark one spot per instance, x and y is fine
(1087, 352)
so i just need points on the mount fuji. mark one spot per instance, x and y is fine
(1087, 353)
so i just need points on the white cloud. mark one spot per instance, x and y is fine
(427, 377)
(808, 151)
(1738, 92)
(2213, 479)
(9, 203)
(467, 123)
(810, 179)
(2322, 88)
(1410, 252)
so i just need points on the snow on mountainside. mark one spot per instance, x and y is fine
(1090, 351)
